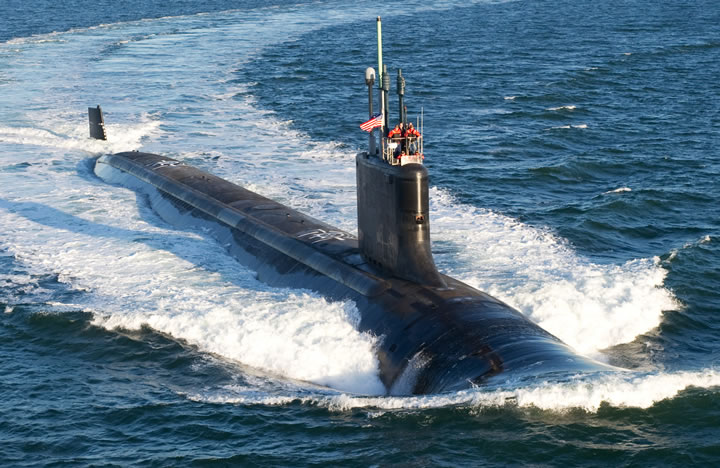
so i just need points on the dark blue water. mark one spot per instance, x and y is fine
(595, 124)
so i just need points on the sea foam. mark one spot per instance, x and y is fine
(589, 306)
(625, 390)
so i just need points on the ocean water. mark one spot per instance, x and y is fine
(572, 151)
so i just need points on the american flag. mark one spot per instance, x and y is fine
(375, 121)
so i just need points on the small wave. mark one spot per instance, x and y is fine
(36, 39)
(689, 245)
(510, 98)
(563, 127)
(562, 108)
(23, 287)
(618, 190)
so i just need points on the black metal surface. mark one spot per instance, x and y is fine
(394, 219)
(435, 337)
(97, 123)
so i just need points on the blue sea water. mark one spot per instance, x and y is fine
(572, 152)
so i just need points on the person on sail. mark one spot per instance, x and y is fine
(411, 132)
(411, 137)
(396, 135)
(395, 132)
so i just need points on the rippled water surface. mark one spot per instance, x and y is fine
(572, 150)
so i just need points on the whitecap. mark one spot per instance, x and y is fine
(618, 190)
(562, 108)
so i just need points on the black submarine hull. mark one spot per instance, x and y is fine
(436, 337)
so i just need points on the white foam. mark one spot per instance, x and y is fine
(75, 137)
(185, 285)
(296, 335)
(589, 306)
(625, 390)
(36, 39)
(565, 127)
(562, 108)
(614, 390)
(618, 190)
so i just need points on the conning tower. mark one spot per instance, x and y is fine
(392, 191)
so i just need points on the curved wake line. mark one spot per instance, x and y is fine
(615, 390)
(57, 36)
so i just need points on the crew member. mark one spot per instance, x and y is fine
(395, 132)
(411, 132)
(411, 135)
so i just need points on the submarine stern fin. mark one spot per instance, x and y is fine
(97, 123)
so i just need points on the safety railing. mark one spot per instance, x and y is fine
(403, 150)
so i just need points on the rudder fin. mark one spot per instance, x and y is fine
(97, 123)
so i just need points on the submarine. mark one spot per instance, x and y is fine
(435, 333)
